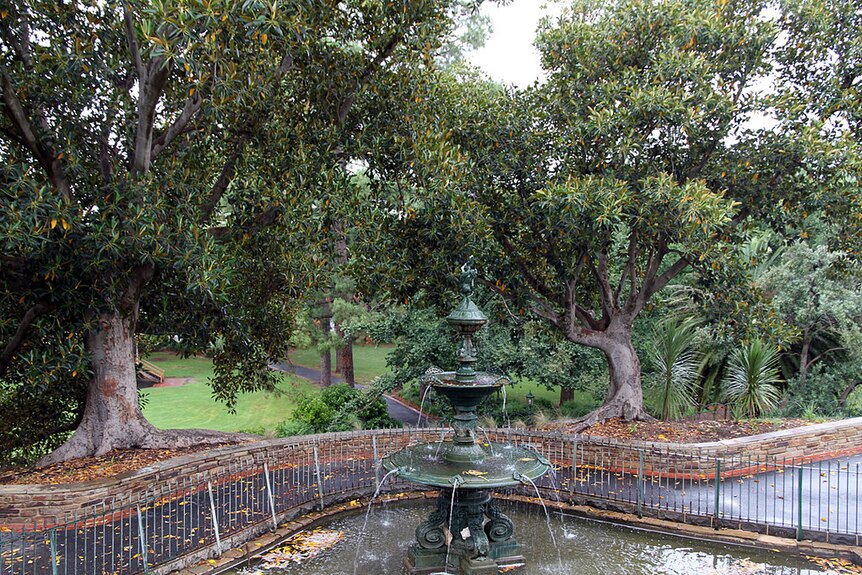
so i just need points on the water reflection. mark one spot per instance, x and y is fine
(585, 547)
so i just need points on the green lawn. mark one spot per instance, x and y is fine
(192, 405)
(369, 361)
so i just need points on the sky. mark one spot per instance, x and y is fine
(509, 56)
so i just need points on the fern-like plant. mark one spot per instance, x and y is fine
(677, 366)
(751, 381)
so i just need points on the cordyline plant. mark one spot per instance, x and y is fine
(159, 165)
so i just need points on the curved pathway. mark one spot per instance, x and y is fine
(399, 410)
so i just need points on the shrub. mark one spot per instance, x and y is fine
(751, 379)
(291, 427)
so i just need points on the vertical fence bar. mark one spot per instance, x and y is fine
(319, 478)
(640, 482)
(215, 518)
(799, 503)
(717, 490)
(269, 494)
(574, 470)
(142, 540)
(52, 534)
(376, 462)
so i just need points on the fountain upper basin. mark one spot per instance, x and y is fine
(501, 465)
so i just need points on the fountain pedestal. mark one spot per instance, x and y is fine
(479, 537)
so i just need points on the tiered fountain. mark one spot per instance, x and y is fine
(467, 533)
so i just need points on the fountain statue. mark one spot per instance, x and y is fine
(466, 532)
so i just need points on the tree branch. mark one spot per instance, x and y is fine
(133, 42)
(670, 273)
(629, 271)
(605, 290)
(15, 343)
(225, 177)
(42, 151)
(191, 107)
(150, 86)
(369, 70)
(819, 356)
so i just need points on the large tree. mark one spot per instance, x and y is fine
(157, 162)
(584, 197)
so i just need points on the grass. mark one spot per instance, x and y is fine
(369, 361)
(192, 405)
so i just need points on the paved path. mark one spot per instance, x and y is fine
(397, 409)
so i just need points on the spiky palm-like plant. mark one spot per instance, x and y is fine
(752, 378)
(677, 366)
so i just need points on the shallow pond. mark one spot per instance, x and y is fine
(584, 547)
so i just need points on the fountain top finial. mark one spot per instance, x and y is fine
(468, 278)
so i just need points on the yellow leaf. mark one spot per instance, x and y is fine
(263, 39)
(191, 91)
(60, 156)
(53, 223)
(65, 224)
(662, 436)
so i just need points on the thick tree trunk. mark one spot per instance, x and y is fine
(112, 417)
(625, 395)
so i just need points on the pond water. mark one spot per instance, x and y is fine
(585, 547)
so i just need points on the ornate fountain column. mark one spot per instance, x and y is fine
(466, 532)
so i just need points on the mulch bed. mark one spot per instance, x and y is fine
(126, 460)
(114, 463)
(688, 431)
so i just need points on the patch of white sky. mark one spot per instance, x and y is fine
(510, 57)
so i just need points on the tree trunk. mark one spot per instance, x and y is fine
(566, 394)
(625, 395)
(326, 353)
(344, 357)
(112, 417)
(803, 358)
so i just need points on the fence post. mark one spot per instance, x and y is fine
(640, 482)
(376, 462)
(317, 474)
(574, 470)
(799, 503)
(142, 539)
(269, 493)
(717, 490)
(53, 534)
(215, 518)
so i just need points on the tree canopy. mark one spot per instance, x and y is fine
(162, 164)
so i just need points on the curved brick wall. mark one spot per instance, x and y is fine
(23, 504)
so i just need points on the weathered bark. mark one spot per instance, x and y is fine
(625, 394)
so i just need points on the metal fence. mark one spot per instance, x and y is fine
(137, 532)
